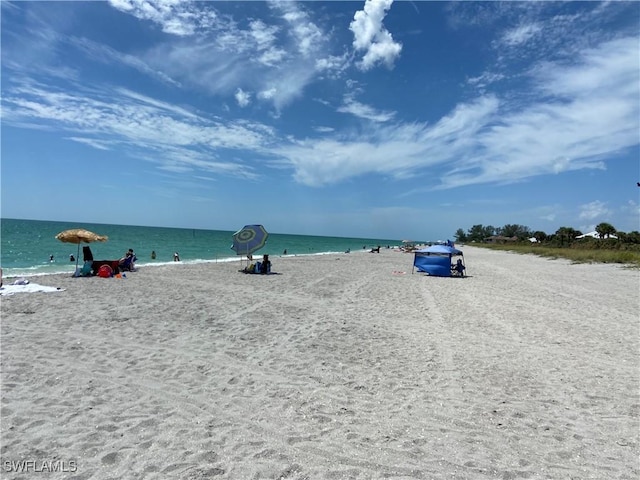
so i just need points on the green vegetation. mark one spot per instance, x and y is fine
(625, 249)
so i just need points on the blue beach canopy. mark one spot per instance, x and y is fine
(436, 260)
(440, 249)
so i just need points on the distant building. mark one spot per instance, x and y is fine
(595, 235)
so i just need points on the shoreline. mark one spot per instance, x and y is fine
(339, 366)
(19, 272)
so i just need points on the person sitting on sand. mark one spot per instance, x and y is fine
(265, 267)
(127, 261)
(459, 267)
(134, 259)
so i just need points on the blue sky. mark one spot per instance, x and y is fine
(369, 119)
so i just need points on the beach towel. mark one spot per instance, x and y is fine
(28, 288)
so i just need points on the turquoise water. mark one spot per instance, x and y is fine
(26, 245)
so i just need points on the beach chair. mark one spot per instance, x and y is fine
(457, 270)
(127, 264)
(85, 271)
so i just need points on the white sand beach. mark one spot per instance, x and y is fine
(339, 367)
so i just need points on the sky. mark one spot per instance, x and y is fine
(374, 119)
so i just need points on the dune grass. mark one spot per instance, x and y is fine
(626, 257)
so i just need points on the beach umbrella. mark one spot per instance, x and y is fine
(249, 239)
(78, 236)
(408, 244)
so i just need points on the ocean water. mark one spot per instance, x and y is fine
(26, 245)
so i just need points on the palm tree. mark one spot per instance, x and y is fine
(605, 230)
(460, 236)
(567, 232)
(540, 236)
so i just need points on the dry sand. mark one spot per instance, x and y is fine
(339, 367)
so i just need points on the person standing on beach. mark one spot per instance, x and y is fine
(176, 257)
(153, 254)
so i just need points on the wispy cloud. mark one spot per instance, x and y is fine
(174, 17)
(586, 114)
(361, 110)
(168, 135)
(92, 142)
(278, 60)
(101, 53)
(594, 210)
(573, 113)
(521, 34)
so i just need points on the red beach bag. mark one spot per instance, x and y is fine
(105, 271)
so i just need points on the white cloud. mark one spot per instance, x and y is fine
(371, 37)
(92, 142)
(169, 136)
(521, 34)
(399, 150)
(243, 98)
(607, 70)
(364, 111)
(584, 114)
(594, 210)
(268, 94)
(263, 34)
(332, 64)
(574, 115)
(485, 79)
(307, 36)
(174, 16)
(107, 55)
(265, 39)
(278, 55)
